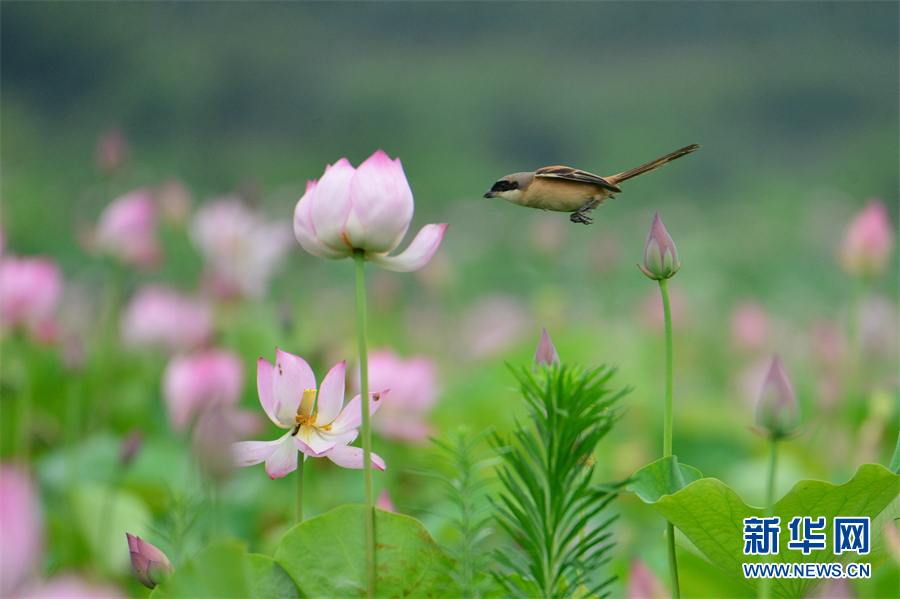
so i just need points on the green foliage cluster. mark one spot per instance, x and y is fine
(549, 503)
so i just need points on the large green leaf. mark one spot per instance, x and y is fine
(709, 518)
(326, 556)
(105, 515)
(226, 570)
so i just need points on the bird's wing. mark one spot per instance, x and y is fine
(573, 174)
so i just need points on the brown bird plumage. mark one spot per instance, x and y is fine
(566, 189)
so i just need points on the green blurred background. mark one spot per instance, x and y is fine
(795, 105)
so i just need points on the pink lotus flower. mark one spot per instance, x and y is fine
(126, 229)
(151, 566)
(242, 250)
(869, 242)
(777, 408)
(316, 424)
(660, 256)
(21, 528)
(545, 354)
(205, 379)
(30, 289)
(162, 317)
(413, 394)
(368, 208)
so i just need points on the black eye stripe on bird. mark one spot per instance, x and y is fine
(566, 189)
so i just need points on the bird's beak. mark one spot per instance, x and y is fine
(491, 194)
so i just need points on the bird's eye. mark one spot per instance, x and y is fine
(504, 185)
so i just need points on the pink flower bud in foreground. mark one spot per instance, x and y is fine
(151, 566)
(546, 353)
(206, 379)
(30, 289)
(413, 395)
(126, 229)
(660, 256)
(158, 316)
(869, 242)
(369, 208)
(21, 528)
(777, 408)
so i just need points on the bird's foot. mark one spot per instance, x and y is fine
(580, 217)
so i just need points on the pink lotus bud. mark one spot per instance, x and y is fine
(546, 353)
(869, 242)
(369, 208)
(112, 152)
(162, 317)
(777, 408)
(21, 528)
(30, 289)
(126, 229)
(384, 502)
(660, 256)
(151, 566)
(206, 379)
(413, 394)
(241, 249)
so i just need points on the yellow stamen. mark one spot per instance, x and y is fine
(307, 403)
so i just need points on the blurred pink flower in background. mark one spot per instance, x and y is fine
(316, 425)
(368, 208)
(126, 229)
(651, 309)
(21, 529)
(174, 201)
(413, 394)
(30, 289)
(158, 316)
(241, 249)
(878, 325)
(112, 151)
(384, 502)
(750, 326)
(643, 583)
(869, 242)
(830, 351)
(492, 325)
(206, 379)
(69, 586)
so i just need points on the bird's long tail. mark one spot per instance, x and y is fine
(646, 168)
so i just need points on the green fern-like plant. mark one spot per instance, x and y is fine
(465, 488)
(548, 503)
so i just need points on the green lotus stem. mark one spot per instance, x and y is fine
(361, 328)
(765, 584)
(667, 431)
(300, 489)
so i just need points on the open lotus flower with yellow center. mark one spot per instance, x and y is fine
(316, 424)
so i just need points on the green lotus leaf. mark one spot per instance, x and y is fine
(326, 556)
(709, 518)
